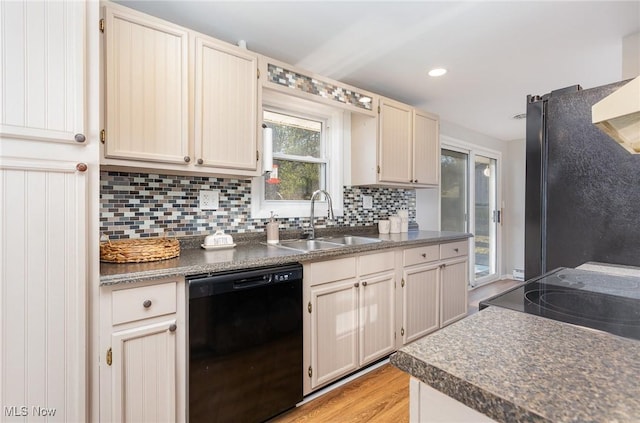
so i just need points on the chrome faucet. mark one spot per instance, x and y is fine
(330, 206)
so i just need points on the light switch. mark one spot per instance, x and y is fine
(367, 202)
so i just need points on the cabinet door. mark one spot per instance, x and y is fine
(146, 88)
(334, 331)
(225, 106)
(42, 80)
(426, 149)
(43, 216)
(454, 291)
(144, 373)
(395, 142)
(377, 317)
(420, 297)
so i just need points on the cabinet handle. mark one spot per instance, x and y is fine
(200, 161)
(173, 327)
(356, 284)
(364, 283)
(81, 167)
(80, 138)
(146, 304)
(187, 159)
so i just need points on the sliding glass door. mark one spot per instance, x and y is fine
(469, 202)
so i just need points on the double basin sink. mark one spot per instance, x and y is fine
(325, 243)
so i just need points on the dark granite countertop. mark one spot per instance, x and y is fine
(517, 367)
(252, 251)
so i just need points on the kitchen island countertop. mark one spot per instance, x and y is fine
(516, 367)
(196, 260)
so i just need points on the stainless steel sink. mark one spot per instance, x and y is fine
(307, 245)
(325, 243)
(351, 240)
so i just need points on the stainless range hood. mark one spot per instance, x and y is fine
(618, 115)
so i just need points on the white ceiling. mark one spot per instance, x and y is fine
(496, 52)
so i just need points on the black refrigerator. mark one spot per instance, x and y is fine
(582, 188)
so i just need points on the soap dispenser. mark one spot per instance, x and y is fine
(273, 235)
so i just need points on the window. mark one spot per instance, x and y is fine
(307, 155)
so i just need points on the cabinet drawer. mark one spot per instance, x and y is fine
(454, 249)
(378, 262)
(133, 304)
(421, 254)
(332, 270)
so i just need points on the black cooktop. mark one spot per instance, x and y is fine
(595, 300)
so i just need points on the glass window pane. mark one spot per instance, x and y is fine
(453, 193)
(293, 135)
(485, 207)
(291, 181)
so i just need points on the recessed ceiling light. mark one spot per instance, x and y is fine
(364, 100)
(437, 72)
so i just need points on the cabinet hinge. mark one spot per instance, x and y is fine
(378, 168)
(102, 25)
(378, 109)
(109, 357)
(258, 73)
(394, 335)
(103, 136)
(309, 307)
(257, 155)
(402, 283)
(310, 371)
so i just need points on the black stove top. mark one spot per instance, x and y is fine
(595, 300)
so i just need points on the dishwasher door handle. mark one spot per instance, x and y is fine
(250, 283)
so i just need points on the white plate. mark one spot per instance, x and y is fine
(217, 247)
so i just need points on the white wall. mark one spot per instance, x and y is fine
(631, 56)
(513, 177)
(513, 193)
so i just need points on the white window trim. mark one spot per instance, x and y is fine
(335, 121)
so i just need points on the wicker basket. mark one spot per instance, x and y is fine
(139, 250)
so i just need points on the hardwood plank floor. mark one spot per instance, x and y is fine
(381, 395)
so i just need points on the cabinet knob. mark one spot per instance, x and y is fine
(146, 304)
(364, 283)
(356, 284)
(200, 161)
(401, 331)
(455, 249)
(424, 255)
(415, 180)
(80, 138)
(81, 167)
(173, 327)
(187, 159)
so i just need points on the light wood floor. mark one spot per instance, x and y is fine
(381, 395)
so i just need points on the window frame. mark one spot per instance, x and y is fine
(332, 139)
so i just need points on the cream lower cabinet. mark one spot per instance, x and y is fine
(143, 368)
(434, 288)
(350, 316)
(426, 404)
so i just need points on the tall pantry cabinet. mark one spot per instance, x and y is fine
(49, 172)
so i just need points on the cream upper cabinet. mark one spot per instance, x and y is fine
(400, 148)
(226, 104)
(395, 142)
(426, 148)
(42, 77)
(146, 88)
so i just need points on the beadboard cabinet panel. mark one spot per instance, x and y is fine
(226, 104)
(426, 148)
(146, 88)
(421, 308)
(395, 142)
(454, 291)
(377, 317)
(43, 286)
(43, 88)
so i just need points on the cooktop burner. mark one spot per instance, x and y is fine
(592, 299)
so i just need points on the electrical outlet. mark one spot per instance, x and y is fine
(367, 202)
(209, 200)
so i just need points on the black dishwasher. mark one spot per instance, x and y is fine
(245, 344)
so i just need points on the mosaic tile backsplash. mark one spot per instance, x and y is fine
(310, 85)
(137, 205)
